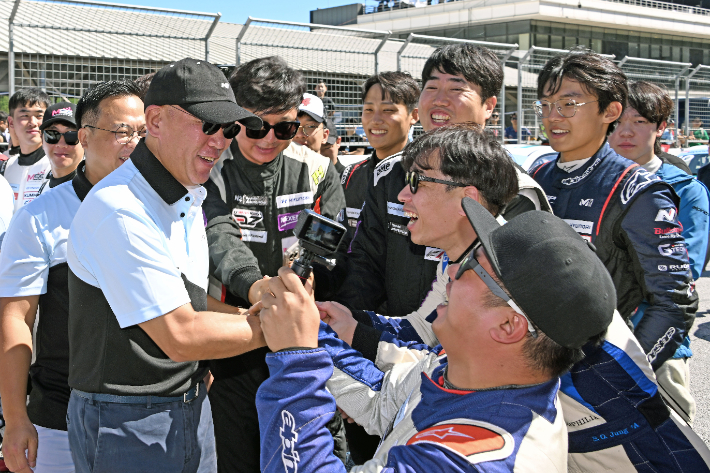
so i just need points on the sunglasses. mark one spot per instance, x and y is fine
(52, 137)
(230, 130)
(470, 262)
(413, 178)
(282, 130)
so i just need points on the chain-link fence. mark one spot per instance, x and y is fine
(695, 116)
(65, 46)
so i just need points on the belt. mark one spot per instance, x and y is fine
(188, 397)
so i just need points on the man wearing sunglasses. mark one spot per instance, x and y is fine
(628, 213)
(520, 308)
(33, 273)
(140, 319)
(26, 171)
(255, 192)
(60, 140)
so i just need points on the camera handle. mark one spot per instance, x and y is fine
(303, 265)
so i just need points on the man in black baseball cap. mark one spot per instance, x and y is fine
(60, 140)
(140, 320)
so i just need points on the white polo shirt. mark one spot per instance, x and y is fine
(7, 204)
(26, 174)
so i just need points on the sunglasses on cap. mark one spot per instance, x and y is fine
(52, 137)
(230, 130)
(282, 130)
(413, 178)
(470, 262)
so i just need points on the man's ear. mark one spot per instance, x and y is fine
(613, 112)
(414, 117)
(326, 134)
(10, 121)
(661, 128)
(512, 328)
(472, 192)
(489, 105)
(83, 134)
(153, 119)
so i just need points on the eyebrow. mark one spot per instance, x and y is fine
(385, 102)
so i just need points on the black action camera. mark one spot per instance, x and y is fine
(319, 238)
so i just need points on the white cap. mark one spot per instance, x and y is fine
(313, 106)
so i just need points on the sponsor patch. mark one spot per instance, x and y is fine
(287, 221)
(63, 112)
(666, 231)
(254, 235)
(476, 443)
(289, 200)
(702, 211)
(385, 168)
(341, 215)
(662, 267)
(397, 228)
(247, 218)
(586, 202)
(352, 222)
(669, 249)
(345, 174)
(581, 226)
(395, 209)
(666, 215)
(258, 200)
(318, 175)
(39, 176)
(660, 344)
(674, 267)
(574, 180)
(640, 180)
(352, 212)
(433, 254)
(551, 198)
(289, 438)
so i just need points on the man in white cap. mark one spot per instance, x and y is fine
(313, 131)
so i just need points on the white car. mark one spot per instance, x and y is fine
(695, 157)
(530, 156)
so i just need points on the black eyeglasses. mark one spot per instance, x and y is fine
(412, 178)
(470, 262)
(124, 134)
(52, 137)
(282, 130)
(230, 130)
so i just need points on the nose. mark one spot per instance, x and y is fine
(405, 195)
(219, 141)
(440, 98)
(554, 113)
(452, 269)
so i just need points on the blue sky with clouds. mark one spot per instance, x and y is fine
(238, 11)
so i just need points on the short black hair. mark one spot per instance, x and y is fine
(544, 354)
(478, 65)
(400, 87)
(268, 85)
(468, 155)
(652, 102)
(3, 116)
(143, 83)
(597, 74)
(88, 108)
(28, 97)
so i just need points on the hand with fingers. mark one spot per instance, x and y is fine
(289, 316)
(339, 318)
(19, 446)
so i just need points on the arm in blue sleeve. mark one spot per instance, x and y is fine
(693, 214)
(661, 259)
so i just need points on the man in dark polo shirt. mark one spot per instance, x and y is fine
(33, 273)
(139, 316)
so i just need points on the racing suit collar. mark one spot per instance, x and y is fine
(580, 176)
(262, 170)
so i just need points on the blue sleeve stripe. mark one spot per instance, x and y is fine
(630, 367)
(568, 387)
(349, 361)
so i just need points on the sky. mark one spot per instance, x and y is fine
(237, 11)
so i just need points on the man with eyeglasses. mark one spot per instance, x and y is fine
(520, 308)
(26, 171)
(255, 192)
(312, 132)
(60, 141)
(33, 273)
(629, 214)
(140, 319)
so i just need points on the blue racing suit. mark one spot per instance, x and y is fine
(630, 215)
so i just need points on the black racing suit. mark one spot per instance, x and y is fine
(251, 211)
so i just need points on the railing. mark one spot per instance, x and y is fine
(389, 5)
(674, 7)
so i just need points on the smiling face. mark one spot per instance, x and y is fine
(63, 158)
(386, 123)
(25, 122)
(267, 148)
(580, 136)
(448, 99)
(634, 136)
(103, 153)
(315, 135)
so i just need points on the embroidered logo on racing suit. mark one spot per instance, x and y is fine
(385, 167)
(289, 437)
(433, 254)
(586, 202)
(345, 174)
(568, 181)
(288, 221)
(660, 344)
(669, 249)
(666, 215)
(640, 180)
(318, 175)
(397, 228)
(259, 200)
(395, 209)
(247, 218)
(302, 198)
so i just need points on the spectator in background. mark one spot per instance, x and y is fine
(14, 147)
(699, 135)
(636, 137)
(328, 103)
(27, 171)
(60, 140)
(33, 273)
(5, 138)
(312, 131)
(511, 132)
(493, 124)
(6, 201)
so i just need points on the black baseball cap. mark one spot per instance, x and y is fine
(550, 272)
(64, 112)
(333, 132)
(200, 88)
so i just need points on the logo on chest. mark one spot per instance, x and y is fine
(289, 200)
(247, 218)
(256, 200)
(586, 202)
